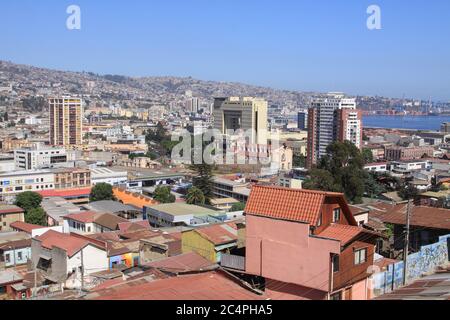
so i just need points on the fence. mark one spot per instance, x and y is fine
(426, 261)
(232, 261)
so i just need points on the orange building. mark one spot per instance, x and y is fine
(133, 198)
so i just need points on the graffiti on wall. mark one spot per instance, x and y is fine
(427, 260)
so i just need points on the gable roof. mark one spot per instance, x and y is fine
(109, 220)
(219, 233)
(25, 227)
(83, 216)
(292, 204)
(64, 241)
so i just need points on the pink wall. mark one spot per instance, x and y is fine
(359, 290)
(277, 290)
(284, 251)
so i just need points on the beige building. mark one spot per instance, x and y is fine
(66, 121)
(244, 113)
(10, 214)
(68, 178)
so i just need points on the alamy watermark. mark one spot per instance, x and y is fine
(73, 22)
(235, 147)
(374, 19)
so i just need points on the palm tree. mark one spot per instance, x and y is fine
(195, 196)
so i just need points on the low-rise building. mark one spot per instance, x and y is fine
(61, 257)
(38, 157)
(211, 241)
(12, 183)
(379, 167)
(179, 214)
(8, 215)
(69, 178)
(105, 175)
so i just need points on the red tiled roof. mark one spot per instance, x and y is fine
(25, 227)
(6, 209)
(219, 233)
(65, 193)
(343, 233)
(426, 217)
(187, 262)
(134, 226)
(203, 286)
(84, 216)
(288, 204)
(63, 241)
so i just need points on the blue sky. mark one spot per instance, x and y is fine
(307, 45)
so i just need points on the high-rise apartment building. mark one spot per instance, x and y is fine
(302, 120)
(66, 121)
(193, 105)
(332, 118)
(242, 113)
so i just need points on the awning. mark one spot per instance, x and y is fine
(45, 257)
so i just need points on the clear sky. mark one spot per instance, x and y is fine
(307, 45)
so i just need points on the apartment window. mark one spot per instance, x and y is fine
(335, 260)
(360, 256)
(336, 296)
(336, 215)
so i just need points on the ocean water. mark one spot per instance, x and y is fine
(405, 122)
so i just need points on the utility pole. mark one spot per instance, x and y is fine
(406, 246)
(82, 271)
(35, 281)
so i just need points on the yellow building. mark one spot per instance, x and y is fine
(211, 241)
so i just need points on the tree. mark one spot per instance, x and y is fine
(195, 196)
(320, 179)
(163, 195)
(238, 207)
(204, 180)
(299, 161)
(36, 216)
(28, 200)
(341, 170)
(408, 192)
(101, 191)
(367, 155)
(372, 188)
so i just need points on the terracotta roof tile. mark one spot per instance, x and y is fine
(84, 216)
(343, 233)
(25, 227)
(286, 203)
(65, 193)
(63, 241)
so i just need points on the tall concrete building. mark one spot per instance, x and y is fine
(332, 118)
(66, 121)
(244, 113)
(193, 105)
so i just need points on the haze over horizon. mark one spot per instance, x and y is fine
(294, 45)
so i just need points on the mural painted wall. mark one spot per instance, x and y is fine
(427, 260)
(128, 259)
